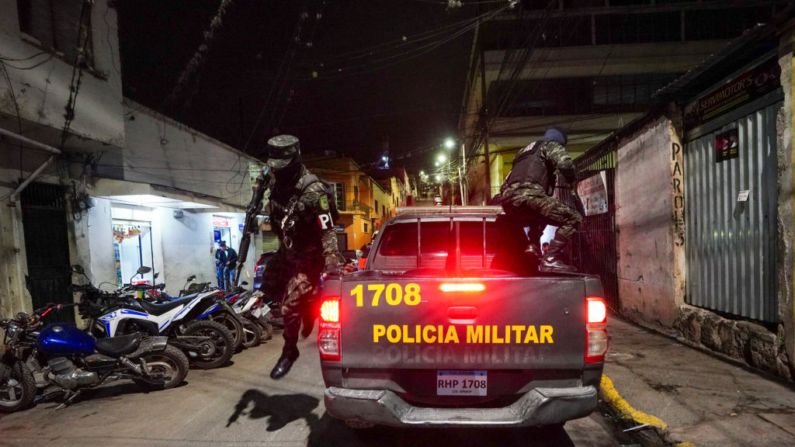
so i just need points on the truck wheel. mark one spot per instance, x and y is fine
(359, 425)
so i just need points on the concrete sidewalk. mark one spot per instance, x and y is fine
(702, 400)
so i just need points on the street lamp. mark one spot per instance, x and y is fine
(449, 143)
(438, 178)
(436, 164)
(442, 158)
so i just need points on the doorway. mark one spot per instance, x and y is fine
(47, 247)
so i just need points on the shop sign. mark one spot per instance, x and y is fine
(741, 90)
(593, 194)
(339, 228)
(727, 145)
(220, 221)
(241, 227)
(217, 236)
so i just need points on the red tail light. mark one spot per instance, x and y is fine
(330, 311)
(328, 339)
(597, 310)
(596, 340)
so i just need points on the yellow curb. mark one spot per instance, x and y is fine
(625, 411)
(685, 444)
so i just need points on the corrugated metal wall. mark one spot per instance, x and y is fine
(731, 245)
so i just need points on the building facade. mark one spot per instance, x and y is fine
(589, 67)
(363, 204)
(695, 201)
(87, 177)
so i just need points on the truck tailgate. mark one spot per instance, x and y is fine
(463, 324)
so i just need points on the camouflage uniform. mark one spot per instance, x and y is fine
(302, 218)
(527, 194)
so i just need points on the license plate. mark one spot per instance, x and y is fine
(461, 383)
(256, 312)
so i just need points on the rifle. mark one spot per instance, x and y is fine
(263, 183)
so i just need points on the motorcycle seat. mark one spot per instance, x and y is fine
(161, 308)
(119, 346)
(191, 296)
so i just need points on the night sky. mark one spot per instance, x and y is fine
(416, 102)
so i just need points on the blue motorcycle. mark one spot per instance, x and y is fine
(71, 360)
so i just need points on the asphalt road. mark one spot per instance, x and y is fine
(239, 405)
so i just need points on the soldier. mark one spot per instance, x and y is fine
(302, 216)
(527, 196)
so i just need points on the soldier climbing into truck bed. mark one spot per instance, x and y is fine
(527, 197)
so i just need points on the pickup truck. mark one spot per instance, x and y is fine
(446, 326)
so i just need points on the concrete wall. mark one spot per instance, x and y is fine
(42, 92)
(785, 276)
(644, 216)
(162, 151)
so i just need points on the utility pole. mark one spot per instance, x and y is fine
(485, 115)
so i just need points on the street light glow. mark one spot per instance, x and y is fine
(438, 177)
(442, 158)
(449, 143)
(436, 164)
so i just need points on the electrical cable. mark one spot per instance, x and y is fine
(403, 41)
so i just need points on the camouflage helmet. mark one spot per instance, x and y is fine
(283, 152)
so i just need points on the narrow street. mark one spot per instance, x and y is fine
(240, 405)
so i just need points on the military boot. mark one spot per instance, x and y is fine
(534, 252)
(552, 262)
(285, 363)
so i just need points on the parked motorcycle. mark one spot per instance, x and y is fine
(219, 311)
(71, 360)
(206, 343)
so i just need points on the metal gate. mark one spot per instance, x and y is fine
(47, 246)
(593, 247)
(731, 239)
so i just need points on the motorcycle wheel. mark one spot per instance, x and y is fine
(217, 352)
(169, 368)
(17, 387)
(233, 325)
(252, 334)
(267, 328)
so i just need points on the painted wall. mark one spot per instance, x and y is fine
(647, 274)
(188, 247)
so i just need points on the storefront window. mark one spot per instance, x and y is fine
(133, 248)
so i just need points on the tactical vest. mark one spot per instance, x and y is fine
(529, 166)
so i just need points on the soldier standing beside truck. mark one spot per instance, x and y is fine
(527, 196)
(302, 215)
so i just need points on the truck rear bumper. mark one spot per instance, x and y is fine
(541, 406)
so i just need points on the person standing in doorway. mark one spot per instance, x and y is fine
(220, 265)
(231, 262)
